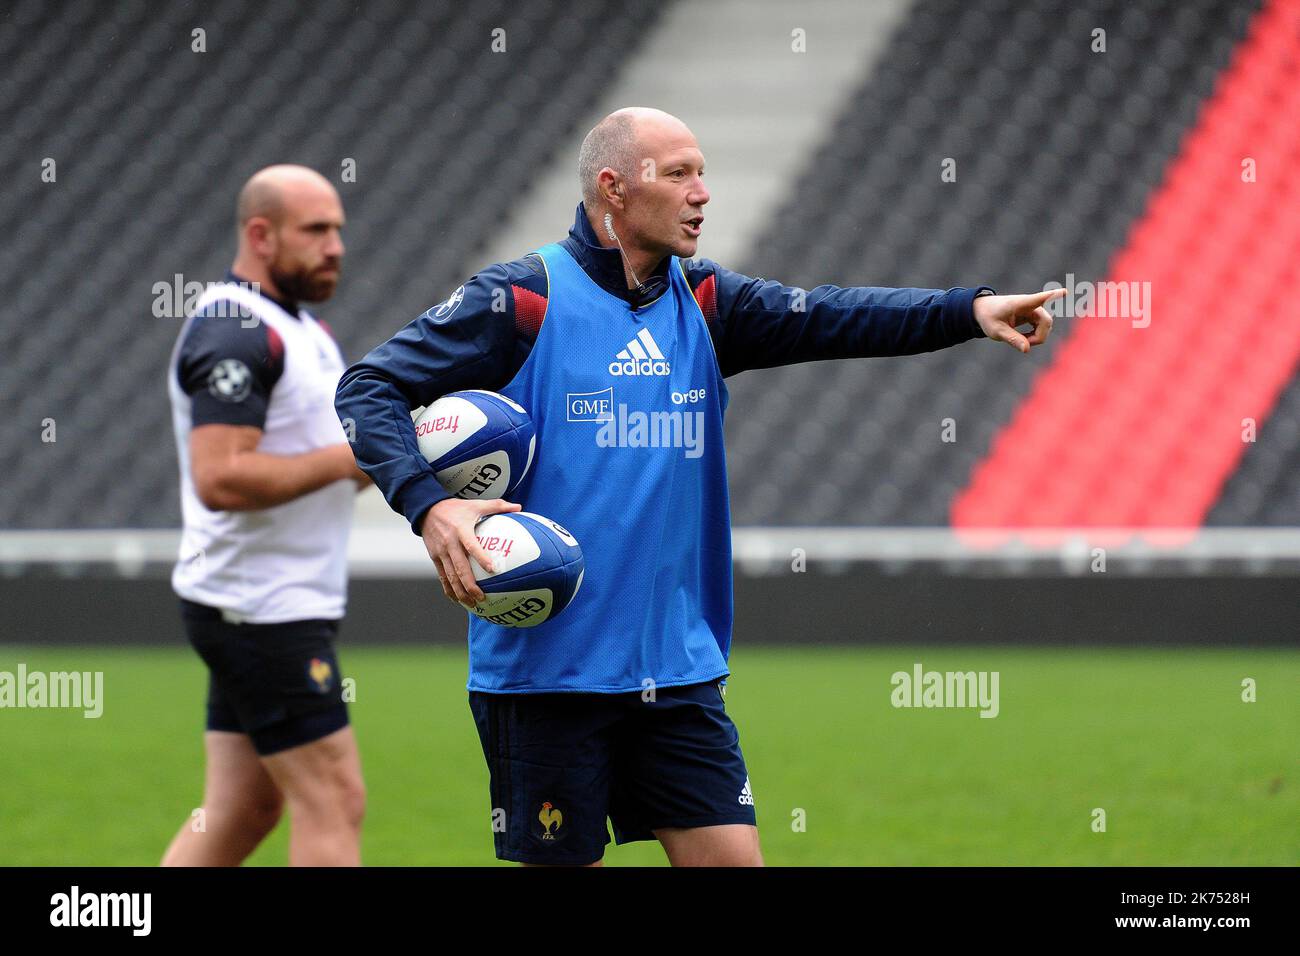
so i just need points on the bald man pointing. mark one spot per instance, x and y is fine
(615, 708)
(267, 488)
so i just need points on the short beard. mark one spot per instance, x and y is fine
(303, 286)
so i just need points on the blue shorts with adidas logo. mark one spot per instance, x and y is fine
(561, 764)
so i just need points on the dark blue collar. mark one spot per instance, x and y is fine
(290, 307)
(605, 266)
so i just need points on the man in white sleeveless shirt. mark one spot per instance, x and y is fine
(267, 488)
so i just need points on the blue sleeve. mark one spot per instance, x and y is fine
(468, 341)
(228, 368)
(760, 323)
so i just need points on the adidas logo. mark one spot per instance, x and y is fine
(641, 357)
(747, 795)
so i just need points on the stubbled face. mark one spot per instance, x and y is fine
(306, 258)
(665, 197)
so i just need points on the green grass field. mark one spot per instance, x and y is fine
(1187, 773)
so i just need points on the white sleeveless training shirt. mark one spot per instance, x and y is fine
(289, 562)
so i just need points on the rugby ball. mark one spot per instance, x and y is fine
(538, 569)
(480, 444)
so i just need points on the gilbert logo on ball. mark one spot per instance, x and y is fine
(539, 568)
(480, 444)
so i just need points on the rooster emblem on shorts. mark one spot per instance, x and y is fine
(550, 817)
(321, 672)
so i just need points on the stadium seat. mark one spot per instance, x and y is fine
(151, 153)
(1057, 156)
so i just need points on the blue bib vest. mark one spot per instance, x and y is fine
(628, 407)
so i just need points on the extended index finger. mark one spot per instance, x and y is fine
(1034, 299)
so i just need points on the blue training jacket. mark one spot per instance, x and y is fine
(652, 516)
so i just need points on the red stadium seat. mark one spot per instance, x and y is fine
(1159, 409)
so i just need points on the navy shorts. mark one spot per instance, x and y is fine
(561, 763)
(278, 683)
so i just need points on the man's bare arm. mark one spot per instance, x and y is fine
(230, 474)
